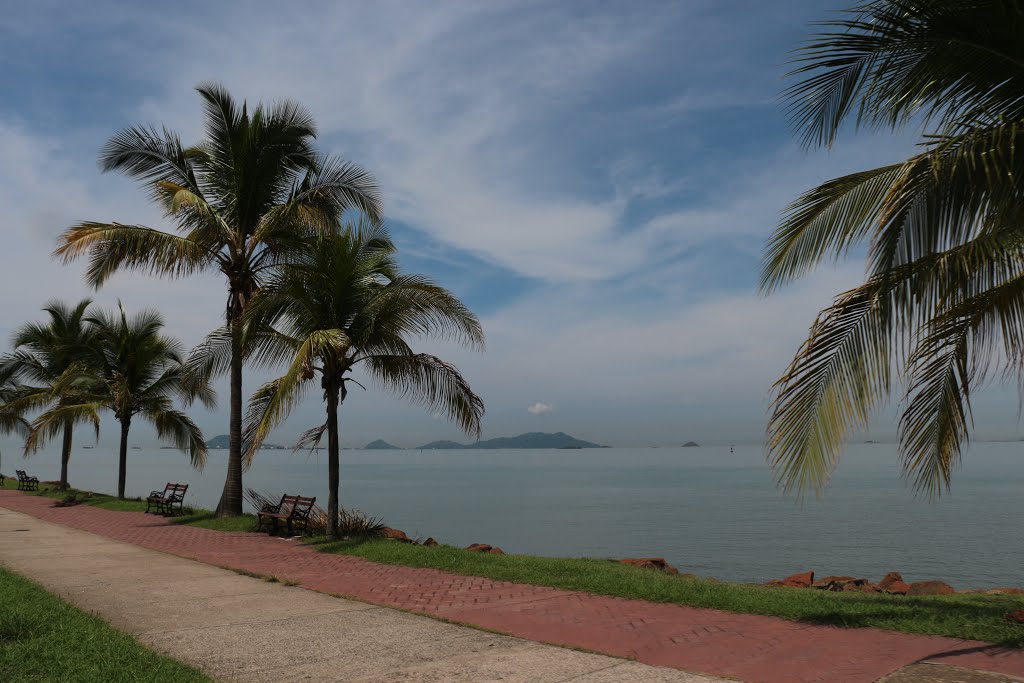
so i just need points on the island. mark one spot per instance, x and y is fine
(221, 442)
(691, 444)
(530, 440)
(380, 445)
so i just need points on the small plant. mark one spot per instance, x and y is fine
(350, 522)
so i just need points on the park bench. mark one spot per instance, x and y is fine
(293, 511)
(164, 501)
(27, 483)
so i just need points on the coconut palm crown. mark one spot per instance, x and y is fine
(35, 373)
(943, 301)
(250, 192)
(347, 306)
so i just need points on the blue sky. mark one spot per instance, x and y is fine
(595, 179)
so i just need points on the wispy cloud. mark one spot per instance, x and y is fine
(603, 177)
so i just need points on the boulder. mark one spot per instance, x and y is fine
(479, 548)
(889, 579)
(430, 542)
(803, 580)
(657, 563)
(896, 587)
(396, 534)
(1004, 591)
(1016, 616)
(496, 551)
(930, 588)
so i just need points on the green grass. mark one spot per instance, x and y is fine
(975, 617)
(208, 520)
(192, 516)
(42, 638)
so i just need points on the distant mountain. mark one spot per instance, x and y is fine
(380, 445)
(530, 440)
(442, 446)
(691, 444)
(221, 441)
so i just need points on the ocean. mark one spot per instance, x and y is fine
(705, 510)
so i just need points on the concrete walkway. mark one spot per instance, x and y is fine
(238, 628)
(745, 647)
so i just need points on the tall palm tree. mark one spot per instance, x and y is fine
(252, 190)
(139, 373)
(346, 305)
(43, 355)
(943, 231)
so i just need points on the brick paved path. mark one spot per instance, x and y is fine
(751, 648)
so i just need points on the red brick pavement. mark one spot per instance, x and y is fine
(747, 647)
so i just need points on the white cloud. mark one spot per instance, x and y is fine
(456, 118)
(540, 408)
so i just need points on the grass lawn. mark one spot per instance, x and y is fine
(42, 638)
(975, 617)
(193, 516)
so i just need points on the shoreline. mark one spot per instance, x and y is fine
(962, 615)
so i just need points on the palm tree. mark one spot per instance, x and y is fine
(943, 232)
(346, 305)
(11, 419)
(38, 367)
(250, 192)
(140, 371)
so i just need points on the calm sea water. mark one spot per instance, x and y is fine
(706, 510)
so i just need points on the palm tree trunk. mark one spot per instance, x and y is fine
(333, 462)
(65, 455)
(122, 467)
(231, 499)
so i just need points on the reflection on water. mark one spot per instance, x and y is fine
(706, 510)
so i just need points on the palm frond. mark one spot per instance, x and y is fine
(178, 429)
(954, 62)
(51, 423)
(432, 383)
(310, 438)
(274, 401)
(151, 156)
(113, 246)
(832, 385)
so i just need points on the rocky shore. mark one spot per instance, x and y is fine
(892, 583)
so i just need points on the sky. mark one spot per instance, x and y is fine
(595, 179)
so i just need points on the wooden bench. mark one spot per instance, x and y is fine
(164, 501)
(294, 511)
(27, 483)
